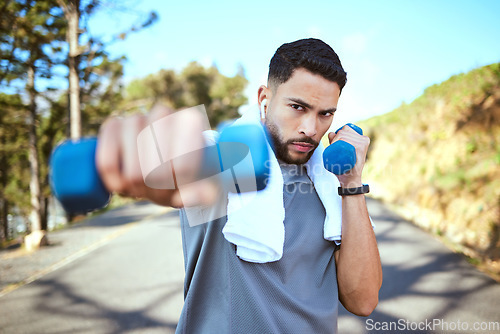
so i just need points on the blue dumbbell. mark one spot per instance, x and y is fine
(340, 157)
(75, 181)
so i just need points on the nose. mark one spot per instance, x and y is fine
(308, 126)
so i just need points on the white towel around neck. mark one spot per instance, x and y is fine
(255, 219)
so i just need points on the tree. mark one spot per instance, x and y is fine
(73, 11)
(221, 95)
(33, 31)
(13, 160)
(32, 44)
(72, 14)
(101, 92)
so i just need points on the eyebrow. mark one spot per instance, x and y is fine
(308, 106)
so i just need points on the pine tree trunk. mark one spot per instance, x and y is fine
(36, 222)
(45, 213)
(4, 226)
(73, 16)
(37, 236)
(4, 205)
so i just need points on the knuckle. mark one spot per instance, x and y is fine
(134, 124)
(135, 120)
(104, 164)
(158, 112)
(111, 123)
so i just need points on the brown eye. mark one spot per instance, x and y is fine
(297, 107)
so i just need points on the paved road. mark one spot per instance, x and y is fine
(424, 283)
(130, 281)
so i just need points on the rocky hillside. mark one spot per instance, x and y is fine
(437, 160)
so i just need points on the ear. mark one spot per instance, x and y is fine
(264, 93)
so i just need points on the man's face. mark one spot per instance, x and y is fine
(300, 112)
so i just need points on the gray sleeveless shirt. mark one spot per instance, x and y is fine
(297, 294)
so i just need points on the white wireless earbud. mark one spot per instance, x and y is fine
(263, 108)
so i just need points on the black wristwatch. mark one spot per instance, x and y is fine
(365, 189)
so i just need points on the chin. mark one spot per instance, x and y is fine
(298, 160)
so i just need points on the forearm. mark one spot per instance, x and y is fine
(359, 270)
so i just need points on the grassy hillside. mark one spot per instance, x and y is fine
(437, 160)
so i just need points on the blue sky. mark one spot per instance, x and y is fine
(391, 50)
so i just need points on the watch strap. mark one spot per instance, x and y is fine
(364, 189)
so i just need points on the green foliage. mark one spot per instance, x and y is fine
(101, 92)
(194, 85)
(30, 34)
(443, 153)
(33, 37)
(471, 146)
(165, 87)
(451, 180)
(13, 153)
(30, 37)
(474, 261)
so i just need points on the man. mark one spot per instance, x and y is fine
(299, 292)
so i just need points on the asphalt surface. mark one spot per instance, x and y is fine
(123, 273)
(426, 288)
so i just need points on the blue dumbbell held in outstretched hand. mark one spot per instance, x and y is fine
(74, 179)
(77, 185)
(340, 156)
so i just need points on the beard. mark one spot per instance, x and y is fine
(281, 147)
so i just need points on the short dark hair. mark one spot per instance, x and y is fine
(311, 54)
